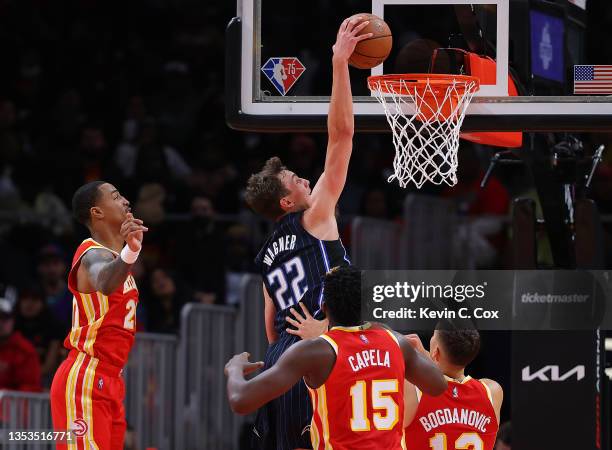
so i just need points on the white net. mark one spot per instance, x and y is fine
(426, 120)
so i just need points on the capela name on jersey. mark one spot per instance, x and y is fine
(280, 245)
(367, 358)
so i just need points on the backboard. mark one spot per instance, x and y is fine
(539, 44)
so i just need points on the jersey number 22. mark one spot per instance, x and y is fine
(291, 274)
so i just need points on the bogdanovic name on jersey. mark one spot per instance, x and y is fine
(449, 416)
(367, 358)
(280, 245)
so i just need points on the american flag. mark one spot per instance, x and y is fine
(593, 79)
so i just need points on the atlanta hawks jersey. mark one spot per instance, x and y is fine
(462, 417)
(361, 404)
(293, 263)
(103, 326)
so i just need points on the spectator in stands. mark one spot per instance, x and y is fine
(374, 204)
(482, 235)
(90, 161)
(469, 197)
(164, 302)
(19, 365)
(38, 325)
(302, 156)
(200, 252)
(149, 158)
(52, 276)
(67, 116)
(10, 143)
(149, 206)
(238, 260)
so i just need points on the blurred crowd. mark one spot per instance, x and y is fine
(133, 94)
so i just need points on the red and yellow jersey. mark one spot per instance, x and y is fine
(360, 405)
(103, 326)
(463, 417)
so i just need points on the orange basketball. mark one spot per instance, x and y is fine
(373, 51)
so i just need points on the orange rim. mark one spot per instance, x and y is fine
(398, 83)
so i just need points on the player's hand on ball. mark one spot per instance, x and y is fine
(307, 326)
(132, 232)
(241, 361)
(416, 343)
(348, 37)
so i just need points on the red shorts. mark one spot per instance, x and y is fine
(87, 397)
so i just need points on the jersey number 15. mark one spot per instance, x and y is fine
(290, 274)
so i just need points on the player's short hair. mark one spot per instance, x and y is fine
(265, 189)
(342, 295)
(84, 199)
(460, 344)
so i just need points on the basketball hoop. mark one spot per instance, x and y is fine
(425, 113)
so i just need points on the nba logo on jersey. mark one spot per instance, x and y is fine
(364, 339)
(283, 72)
(455, 392)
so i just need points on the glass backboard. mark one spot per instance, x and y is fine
(540, 46)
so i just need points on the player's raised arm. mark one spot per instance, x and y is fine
(104, 272)
(340, 125)
(245, 396)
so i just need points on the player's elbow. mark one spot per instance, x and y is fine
(238, 405)
(341, 130)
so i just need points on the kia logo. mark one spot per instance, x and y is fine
(552, 373)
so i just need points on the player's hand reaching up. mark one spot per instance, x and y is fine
(132, 232)
(348, 37)
(241, 362)
(307, 326)
(416, 343)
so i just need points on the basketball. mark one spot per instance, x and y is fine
(373, 51)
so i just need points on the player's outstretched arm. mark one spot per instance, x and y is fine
(340, 126)
(497, 393)
(104, 272)
(422, 371)
(245, 396)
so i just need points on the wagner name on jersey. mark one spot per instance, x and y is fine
(293, 263)
(360, 405)
(462, 417)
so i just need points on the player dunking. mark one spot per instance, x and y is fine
(87, 391)
(355, 374)
(467, 414)
(304, 245)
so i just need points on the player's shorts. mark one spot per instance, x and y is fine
(284, 423)
(87, 397)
